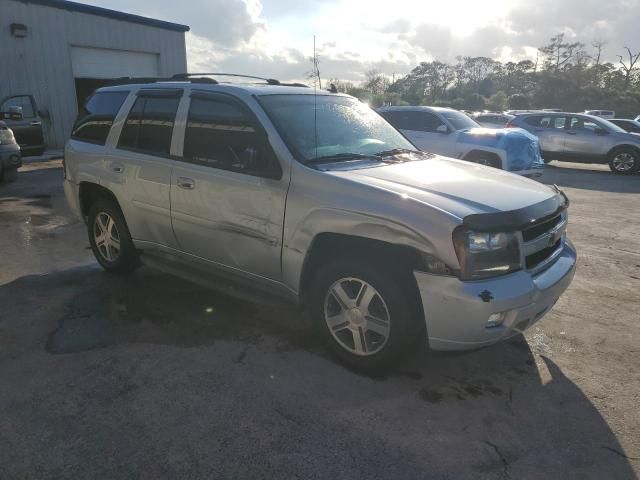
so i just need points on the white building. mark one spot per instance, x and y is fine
(59, 52)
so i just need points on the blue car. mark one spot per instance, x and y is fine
(451, 133)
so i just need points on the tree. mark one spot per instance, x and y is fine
(558, 53)
(497, 101)
(628, 69)
(518, 101)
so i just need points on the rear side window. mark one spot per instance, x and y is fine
(96, 118)
(218, 134)
(149, 126)
(546, 122)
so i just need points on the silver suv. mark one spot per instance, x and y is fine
(315, 198)
(582, 138)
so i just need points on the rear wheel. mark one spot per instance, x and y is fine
(110, 239)
(625, 161)
(367, 315)
(485, 158)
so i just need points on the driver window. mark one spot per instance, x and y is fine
(424, 122)
(581, 124)
(23, 102)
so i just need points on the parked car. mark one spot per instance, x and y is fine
(582, 138)
(606, 114)
(21, 114)
(493, 120)
(631, 126)
(450, 133)
(383, 243)
(10, 159)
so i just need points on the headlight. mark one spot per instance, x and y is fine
(484, 254)
(6, 136)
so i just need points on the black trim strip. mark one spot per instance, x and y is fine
(161, 92)
(517, 219)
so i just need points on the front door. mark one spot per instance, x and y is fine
(28, 130)
(584, 140)
(227, 194)
(429, 132)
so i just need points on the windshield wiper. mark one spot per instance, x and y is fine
(395, 151)
(342, 156)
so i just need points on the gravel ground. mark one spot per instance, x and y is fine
(153, 377)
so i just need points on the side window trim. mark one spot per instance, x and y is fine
(125, 112)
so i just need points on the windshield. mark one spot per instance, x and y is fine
(318, 126)
(459, 120)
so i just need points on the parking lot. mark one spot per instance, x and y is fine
(149, 376)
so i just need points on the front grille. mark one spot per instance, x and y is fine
(543, 240)
(537, 258)
(540, 227)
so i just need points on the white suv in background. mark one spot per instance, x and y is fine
(267, 189)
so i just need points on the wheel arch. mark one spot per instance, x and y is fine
(636, 148)
(90, 192)
(331, 244)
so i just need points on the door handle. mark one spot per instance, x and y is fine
(116, 167)
(36, 123)
(186, 183)
(571, 133)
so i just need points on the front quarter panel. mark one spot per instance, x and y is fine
(320, 202)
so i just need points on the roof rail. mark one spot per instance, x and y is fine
(140, 80)
(185, 76)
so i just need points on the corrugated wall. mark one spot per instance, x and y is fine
(40, 64)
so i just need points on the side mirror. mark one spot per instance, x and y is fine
(442, 129)
(15, 113)
(44, 113)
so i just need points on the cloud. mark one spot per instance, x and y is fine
(400, 26)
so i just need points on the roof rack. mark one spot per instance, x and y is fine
(197, 78)
(187, 76)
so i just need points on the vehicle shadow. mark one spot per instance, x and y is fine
(504, 412)
(564, 175)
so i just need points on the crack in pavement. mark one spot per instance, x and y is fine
(505, 463)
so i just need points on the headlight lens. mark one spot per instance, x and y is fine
(6, 136)
(485, 254)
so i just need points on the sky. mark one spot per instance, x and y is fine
(274, 38)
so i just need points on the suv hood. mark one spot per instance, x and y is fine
(455, 186)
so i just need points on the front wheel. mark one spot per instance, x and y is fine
(110, 239)
(625, 161)
(368, 317)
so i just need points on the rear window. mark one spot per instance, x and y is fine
(96, 118)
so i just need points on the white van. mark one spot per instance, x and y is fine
(606, 114)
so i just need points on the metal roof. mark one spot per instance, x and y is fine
(105, 12)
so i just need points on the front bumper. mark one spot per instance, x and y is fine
(10, 157)
(456, 312)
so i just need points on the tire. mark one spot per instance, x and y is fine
(8, 176)
(390, 297)
(624, 161)
(110, 238)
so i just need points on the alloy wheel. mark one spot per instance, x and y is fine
(357, 316)
(106, 237)
(624, 162)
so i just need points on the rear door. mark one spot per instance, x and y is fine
(28, 131)
(550, 130)
(228, 192)
(138, 170)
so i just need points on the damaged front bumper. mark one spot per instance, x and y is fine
(462, 315)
